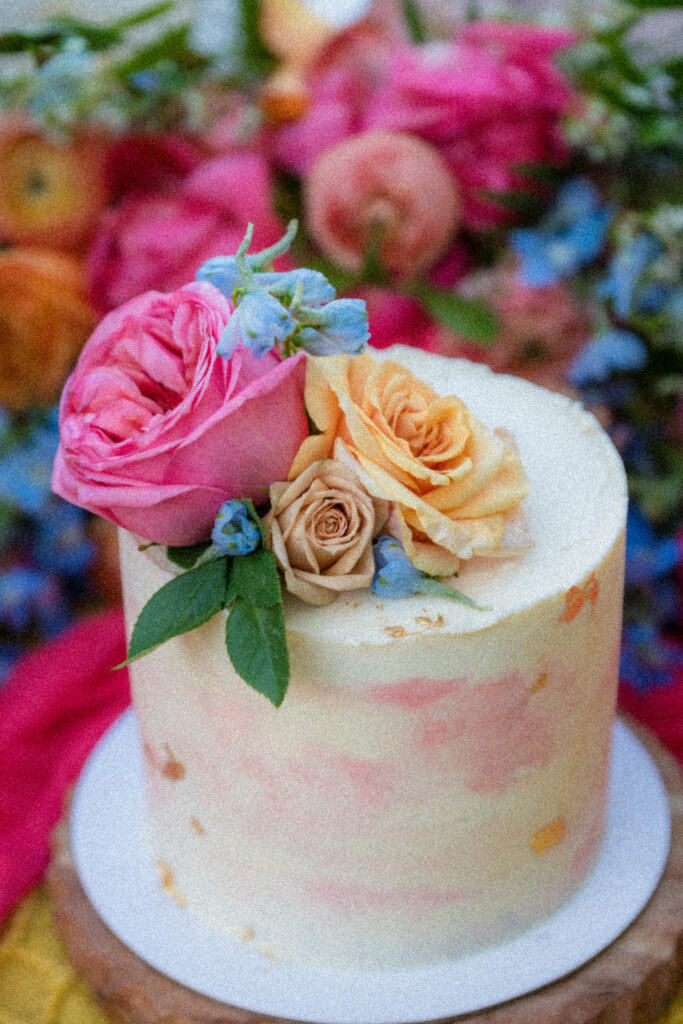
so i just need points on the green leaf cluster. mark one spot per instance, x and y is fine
(468, 317)
(249, 587)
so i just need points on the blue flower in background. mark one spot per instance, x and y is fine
(648, 557)
(611, 350)
(395, 575)
(9, 653)
(29, 595)
(625, 272)
(646, 662)
(63, 83)
(570, 236)
(235, 532)
(26, 469)
(61, 543)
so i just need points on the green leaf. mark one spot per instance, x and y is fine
(257, 646)
(53, 31)
(254, 578)
(654, 4)
(185, 602)
(413, 19)
(187, 555)
(438, 589)
(468, 317)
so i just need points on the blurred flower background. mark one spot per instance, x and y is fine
(500, 183)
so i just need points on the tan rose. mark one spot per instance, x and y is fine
(457, 484)
(320, 529)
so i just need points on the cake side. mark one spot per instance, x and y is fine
(436, 780)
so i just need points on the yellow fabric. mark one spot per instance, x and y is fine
(38, 985)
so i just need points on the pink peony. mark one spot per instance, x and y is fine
(340, 84)
(157, 431)
(385, 186)
(159, 240)
(489, 99)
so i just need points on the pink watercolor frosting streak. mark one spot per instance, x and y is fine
(351, 900)
(414, 693)
(487, 732)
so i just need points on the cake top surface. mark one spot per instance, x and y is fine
(576, 510)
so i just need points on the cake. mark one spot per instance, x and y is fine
(435, 781)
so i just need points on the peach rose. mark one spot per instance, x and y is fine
(46, 320)
(388, 186)
(457, 485)
(320, 529)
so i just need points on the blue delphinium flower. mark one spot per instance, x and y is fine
(646, 662)
(63, 84)
(648, 557)
(29, 595)
(613, 349)
(309, 286)
(339, 327)
(26, 469)
(235, 532)
(625, 273)
(61, 543)
(569, 237)
(258, 323)
(395, 575)
(226, 272)
(9, 653)
(293, 309)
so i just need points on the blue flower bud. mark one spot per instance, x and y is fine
(221, 272)
(339, 327)
(235, 532)
(315, 289)
(395, 575)
(258, 323)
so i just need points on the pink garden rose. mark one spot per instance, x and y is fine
(157, 431)
(159, 240)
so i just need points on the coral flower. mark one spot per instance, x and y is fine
(50, 193)
(44, 322)
(382, 188)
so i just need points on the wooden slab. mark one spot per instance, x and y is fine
(631, 982)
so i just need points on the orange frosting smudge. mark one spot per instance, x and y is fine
(549, 836)
(576, 597)
(173, 769)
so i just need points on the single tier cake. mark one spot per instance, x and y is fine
(435, 781)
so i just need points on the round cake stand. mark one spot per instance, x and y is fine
(629, 982)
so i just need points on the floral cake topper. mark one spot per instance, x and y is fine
(240, 423)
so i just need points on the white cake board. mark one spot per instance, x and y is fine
(120, 878)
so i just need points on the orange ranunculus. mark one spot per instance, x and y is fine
(50, 192)
(456, 485)
(45, 320)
